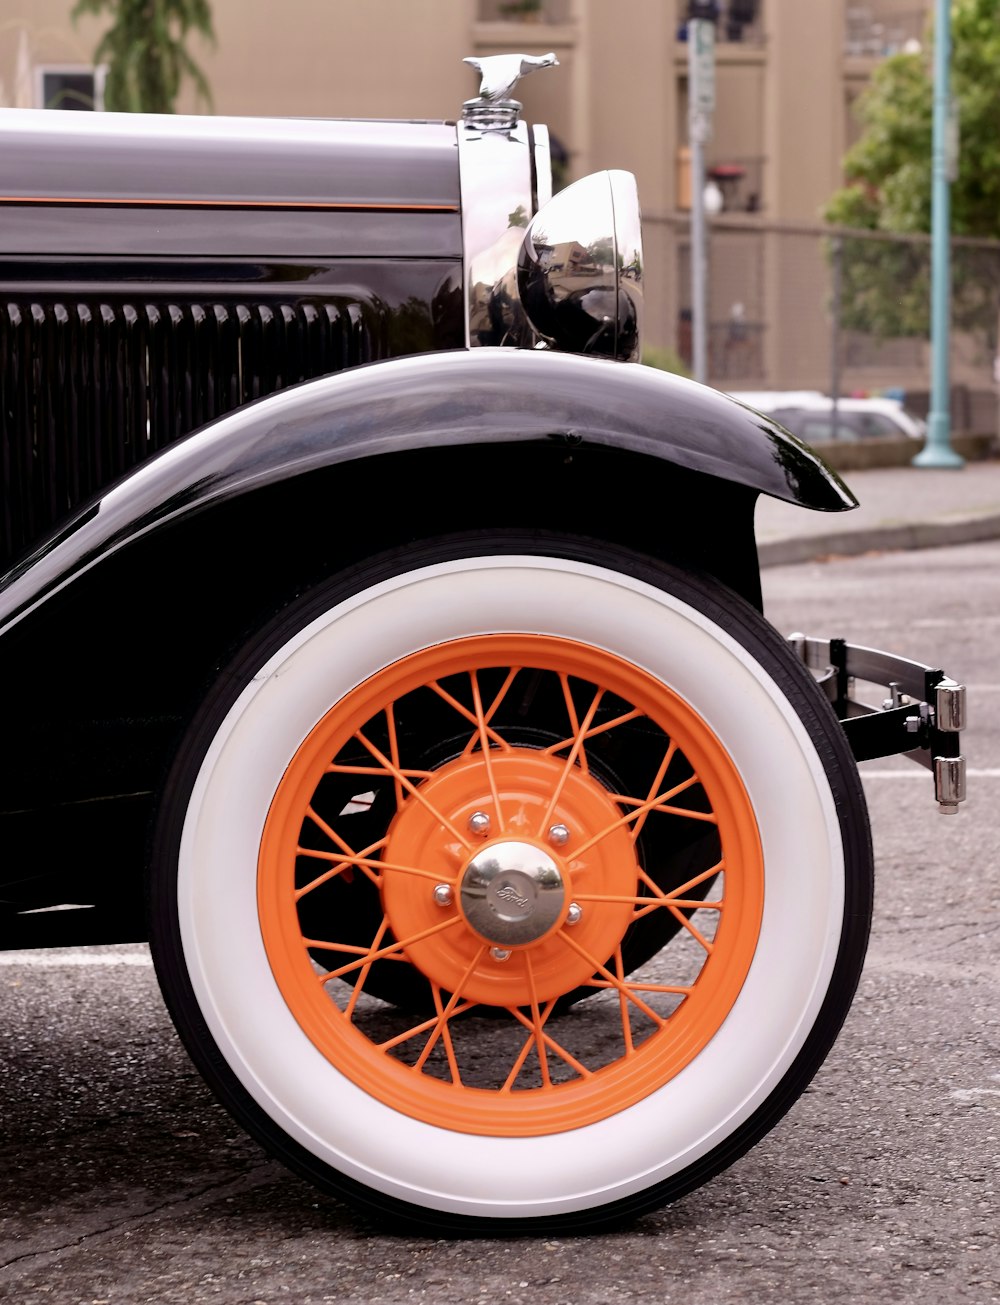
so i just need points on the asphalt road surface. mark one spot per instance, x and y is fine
(121, 1181)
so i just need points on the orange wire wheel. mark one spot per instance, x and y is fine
(510, 882)
(482, 834)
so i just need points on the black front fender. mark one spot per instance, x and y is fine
(461, 398)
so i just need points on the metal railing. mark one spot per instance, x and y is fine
(796, 306)
(875, 30)
(524, 11)
(735, 20)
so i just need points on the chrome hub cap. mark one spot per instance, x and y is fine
(512, 893)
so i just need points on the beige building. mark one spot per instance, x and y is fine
(786, 73)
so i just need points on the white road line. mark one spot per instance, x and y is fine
(921, 772)
(969, 1095)
(49, 961)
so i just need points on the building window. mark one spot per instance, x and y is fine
(70, 86)
(525, 11)
(735, 20)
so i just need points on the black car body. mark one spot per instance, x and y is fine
(257, 376)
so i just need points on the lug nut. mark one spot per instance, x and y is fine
(443, 895)
(479, 823)
(500, 953)
(574, 913)
(558, 835)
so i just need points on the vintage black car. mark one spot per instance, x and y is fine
(383, 644)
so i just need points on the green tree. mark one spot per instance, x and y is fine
(888, 170)
(890, 182)
(145, 51)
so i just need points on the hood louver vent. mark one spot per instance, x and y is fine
(90, 390)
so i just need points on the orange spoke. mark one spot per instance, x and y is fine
(449, 1048)
(367, 864)
(695, 933)
(655, 804)
(657, 898)
(484, 745)
(344, 866)
(707, 817)
(651, 884)
(352, 949)
(463, 711)
(592, 733)
(613, 981)
(518, 1064)
(661, 899)
(393, 949)
(551, 1043)
(675, 989)
(335, 768)
(491, 712)
(673, 899)
(331, 834)
(664, 766)
(390, 722)
(411, 788)
(574, 722)
(440, 1024)
(365, 971)
(537, 1038)
(623, 1010)
(392, 1043)
(694, 905)
(575, 751)
(340, 863)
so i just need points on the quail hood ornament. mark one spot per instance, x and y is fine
(499, 75)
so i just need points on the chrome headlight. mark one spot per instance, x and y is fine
(579, 268)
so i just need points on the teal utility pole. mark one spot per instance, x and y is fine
(701, 105)
(937, 451)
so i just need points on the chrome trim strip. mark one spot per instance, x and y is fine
(495, 183)
(169, 201)
(543, 165)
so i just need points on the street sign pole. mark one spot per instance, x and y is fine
(937, 451)
(701, 104)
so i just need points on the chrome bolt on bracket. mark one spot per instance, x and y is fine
(896, 698)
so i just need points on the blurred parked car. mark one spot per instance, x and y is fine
(386, 647)
(810, 415)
